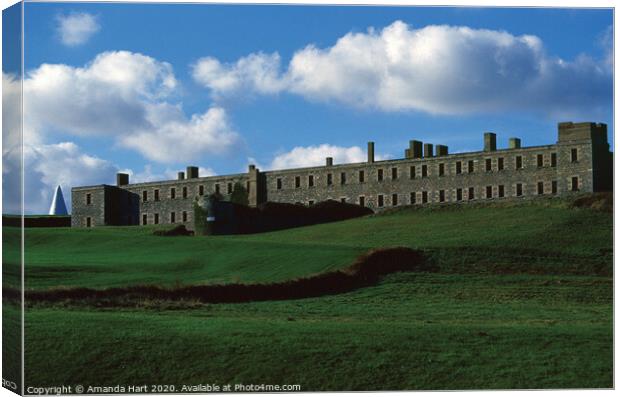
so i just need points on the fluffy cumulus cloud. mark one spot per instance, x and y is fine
(123, 96)
(124, 99)
(76, 28)
(310, 156)
(434, 69)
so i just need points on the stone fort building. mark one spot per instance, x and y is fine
(580, 161)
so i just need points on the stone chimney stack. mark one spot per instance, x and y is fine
(514, 143)
(122, 179)
(181, 175)
(192, 172)
(329, 161)
(371, 152)
(441, 150)
(428, 150)
(415, 149)
(490, 142)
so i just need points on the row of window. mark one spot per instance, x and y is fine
(423, 170)
(171, 219)
(185, 192)
(463, 194)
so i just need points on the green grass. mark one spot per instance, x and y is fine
(465, 240)
(523, 299)
(413, 331)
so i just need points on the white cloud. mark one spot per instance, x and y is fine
(120, 97)
(123, 96)
(311, 156)
(76, 28)
(435, 69)
(177, 138)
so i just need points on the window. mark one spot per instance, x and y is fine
(247, 186)
(500, 191)
(279, 183)
(217, 188)
(310, 180)
(554, 187)
(554, 159)
(185, 192)
(573, 156)
(539, 160)
(173, 194)
(424, 171)
(541, 187)
(361, 176)
(470, 166)
(361, 201)
(380, 200)
(394, 173)
(500, 163)
(489, 192)
(394, 199)
(156, 219)
(310, 202)
(145, 196)
(488, 165)
(173, 217)
(88, 199)
(184, 216)
(229, 188)
(519, 190)
(343, 199)
(329, 179)
(459, 194)
(343, 178)
(156, 195)
(379, 175)
(574, 183)
(89, 221)
(442, 196)
(471, 194)
(424, 197)
(519, 162)
(201, 190)
(459, 166)
(145, 219)
(297, 181)
(441, 169)
(412, 172)
(412, 198)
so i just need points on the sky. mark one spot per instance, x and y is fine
(151, 88)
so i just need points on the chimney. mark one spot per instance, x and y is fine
(371, 152)
(122, 179)
(428, 150)
(490, 142)
(329, 161)
(415, 149)
(192, 172)
(251, 167)
(441, 150)
(514, 143)
(181, 175)
(407, 153)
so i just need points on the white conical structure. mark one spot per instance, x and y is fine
(58, 206)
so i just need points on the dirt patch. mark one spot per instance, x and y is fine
(179, 230)
(603, 201)
(365, 271)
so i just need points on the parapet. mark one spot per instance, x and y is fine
(569, 131)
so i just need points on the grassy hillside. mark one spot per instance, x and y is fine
(523, 299)
(413, 331)
(537, 238)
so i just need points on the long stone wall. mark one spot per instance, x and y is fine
(562, 168)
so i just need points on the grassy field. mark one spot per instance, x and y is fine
(522, 299)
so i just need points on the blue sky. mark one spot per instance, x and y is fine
(222, 86)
